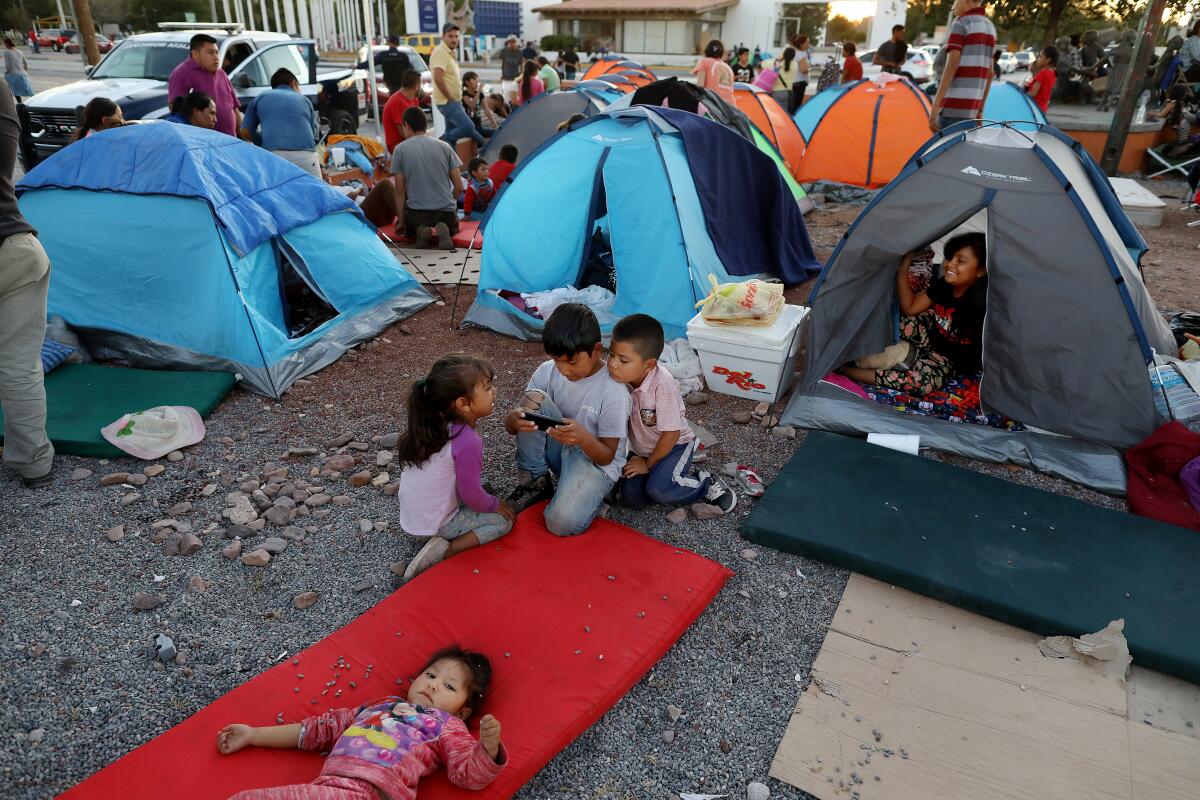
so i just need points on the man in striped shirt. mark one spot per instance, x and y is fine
(968, 73)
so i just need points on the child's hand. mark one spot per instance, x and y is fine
(515, 422)
(636, 465)
(234, 737)
(489, 735)
(507, 511)
(569, 433)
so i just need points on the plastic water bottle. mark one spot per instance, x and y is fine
(1139, 116)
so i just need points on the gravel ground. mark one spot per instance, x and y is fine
(78, 684)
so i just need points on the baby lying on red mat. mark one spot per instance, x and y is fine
(386, 746)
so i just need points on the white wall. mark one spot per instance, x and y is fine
(887, 14)
(750, 23)
(533, 27)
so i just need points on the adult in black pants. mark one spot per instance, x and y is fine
(803, 61)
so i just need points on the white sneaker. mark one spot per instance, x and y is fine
(432, 553)
(721, 496)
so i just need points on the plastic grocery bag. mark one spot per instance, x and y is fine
(751, 302)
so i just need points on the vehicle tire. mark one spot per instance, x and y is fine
(342, 122)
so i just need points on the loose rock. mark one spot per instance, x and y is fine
(360, 479)
(674, 712)
(761, 409)
(343, 462)
(397, 568)
(80, 474)
(304, 600)
(696, 398)
(233, 549)
(144, 601)
(704, 511)
(114, 478)
(317, 500)
(154, 470)
(174, 456)
(130, 499)
(742, 417)
(136, 479)
(365, 526)
(259, 558)
(164, 648)
(272, 544)
(783, 432)
(668, 736)
(179, 509)
(749, 554)
(190, 544)
(389, 441)
(757, 791)
(198, 584)
(677, 516)
(384, 457)
(340, 441)
(115, 534)
(240, 532)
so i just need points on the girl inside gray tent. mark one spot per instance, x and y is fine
(941, 330)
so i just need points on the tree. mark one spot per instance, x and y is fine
(839, 29)
(812, 17)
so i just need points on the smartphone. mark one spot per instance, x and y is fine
(543, 423)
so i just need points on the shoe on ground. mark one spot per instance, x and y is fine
(531, 492)
(432, 553)
(443, 234)
(39, 481)
(424, 237)
(720, 495)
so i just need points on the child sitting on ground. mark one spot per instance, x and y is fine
(587, 450)
(504, 165)
(661, 441)
(480, 190)
(941, 331)
(441, 496)
(383, 748)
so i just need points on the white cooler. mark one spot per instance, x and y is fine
(745, 361)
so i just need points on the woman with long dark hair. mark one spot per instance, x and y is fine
(194, 108)
(531, 86)
(100, 114)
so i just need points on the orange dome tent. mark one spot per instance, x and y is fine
(612, 64)
(773, 122)
(862, 133)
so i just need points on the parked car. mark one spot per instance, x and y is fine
(415, 63)
(423, 43)
(1007, 62)
(135, 73)
(55, 38)
(918, 66)
(74, 45)
(1025, 58)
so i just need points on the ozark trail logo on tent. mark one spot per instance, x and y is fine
(996, 176)
(602, 139)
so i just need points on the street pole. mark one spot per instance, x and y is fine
(368, 29)
(1134, 80)
(87, 31)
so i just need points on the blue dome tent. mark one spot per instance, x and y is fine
(675, 197)
(179, 247)
(1008, 102)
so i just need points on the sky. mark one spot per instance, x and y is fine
(853, 10)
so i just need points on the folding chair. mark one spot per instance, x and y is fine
(1181, 165)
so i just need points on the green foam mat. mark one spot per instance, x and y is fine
(83, 398)
(1029, 558)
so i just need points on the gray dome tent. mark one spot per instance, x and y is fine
(1070, 327)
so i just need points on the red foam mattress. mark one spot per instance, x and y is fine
(467, 231)
(528, 601)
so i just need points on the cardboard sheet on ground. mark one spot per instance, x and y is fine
(530, 595)
(1042, 562)
(83, 398)
(970, 709)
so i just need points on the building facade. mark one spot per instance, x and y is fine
(670, 28)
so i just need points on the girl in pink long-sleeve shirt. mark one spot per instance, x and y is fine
(441, 496)
(386, 746)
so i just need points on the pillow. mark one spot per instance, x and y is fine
(54, 354)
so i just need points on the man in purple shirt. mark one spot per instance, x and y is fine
(202, 73)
